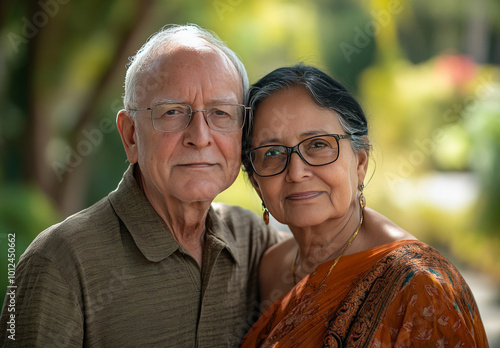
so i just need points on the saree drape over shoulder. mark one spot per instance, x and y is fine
(400, 294)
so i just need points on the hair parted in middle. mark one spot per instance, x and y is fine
(324, 90)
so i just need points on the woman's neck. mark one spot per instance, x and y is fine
(318, 244)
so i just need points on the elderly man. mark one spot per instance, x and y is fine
(155, 263)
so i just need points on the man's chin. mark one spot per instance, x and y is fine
(200, 193)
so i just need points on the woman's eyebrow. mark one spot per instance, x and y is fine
(269, 141)
(314, 132)
(302, 135)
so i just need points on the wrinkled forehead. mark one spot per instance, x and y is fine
(175, 60)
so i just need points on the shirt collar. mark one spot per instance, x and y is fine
(149, 232)
(218, 229)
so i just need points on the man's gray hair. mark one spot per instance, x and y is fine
(156, 44)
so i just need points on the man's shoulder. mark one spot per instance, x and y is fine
(85, 227)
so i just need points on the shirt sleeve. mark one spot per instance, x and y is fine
(429, 310)
(47, 312)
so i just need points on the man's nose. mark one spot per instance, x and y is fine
(198, 132)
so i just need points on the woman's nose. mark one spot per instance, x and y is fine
(297, 169)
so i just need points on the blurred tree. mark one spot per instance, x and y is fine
(61, 70)
(482, 121)
(347, 39)
(428, 28)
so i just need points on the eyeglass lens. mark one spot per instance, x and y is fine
(174, 117)
(315, 151)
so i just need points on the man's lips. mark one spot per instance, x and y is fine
(197, 164)
(297, 196)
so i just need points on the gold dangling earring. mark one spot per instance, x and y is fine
(265, 215)
(362, 199)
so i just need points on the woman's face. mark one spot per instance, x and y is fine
(304, 195)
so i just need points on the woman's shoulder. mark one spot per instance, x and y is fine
(433, 301)
(381, 230)
(281, 249)
(418, 263)
(275, 271)
(435, 280)
(277, 259)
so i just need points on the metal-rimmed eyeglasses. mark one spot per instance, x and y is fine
(319, 150)
(176, 117)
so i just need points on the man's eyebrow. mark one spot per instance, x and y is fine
(165, 101)
(222, 100)
(226, 100)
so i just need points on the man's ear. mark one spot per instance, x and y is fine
(126, 126)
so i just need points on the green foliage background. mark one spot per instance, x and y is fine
(426, 72)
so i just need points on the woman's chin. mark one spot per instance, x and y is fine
(308, 222)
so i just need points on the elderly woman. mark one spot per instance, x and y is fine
(350, 277)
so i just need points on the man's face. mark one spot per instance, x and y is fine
(197, 163)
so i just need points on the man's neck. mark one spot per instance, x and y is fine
(185, 221)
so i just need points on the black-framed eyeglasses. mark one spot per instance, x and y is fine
(319, 150)
(176, 117)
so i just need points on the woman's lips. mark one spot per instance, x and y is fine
(298, 196)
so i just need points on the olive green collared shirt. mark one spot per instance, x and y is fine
(112, 275)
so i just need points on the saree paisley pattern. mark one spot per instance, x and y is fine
(401, 294)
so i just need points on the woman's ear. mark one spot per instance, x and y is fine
(362, 165)
(126, 127)
(255, 185)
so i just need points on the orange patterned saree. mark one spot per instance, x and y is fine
(400, 294)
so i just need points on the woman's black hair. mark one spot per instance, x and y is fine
(326, 93)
